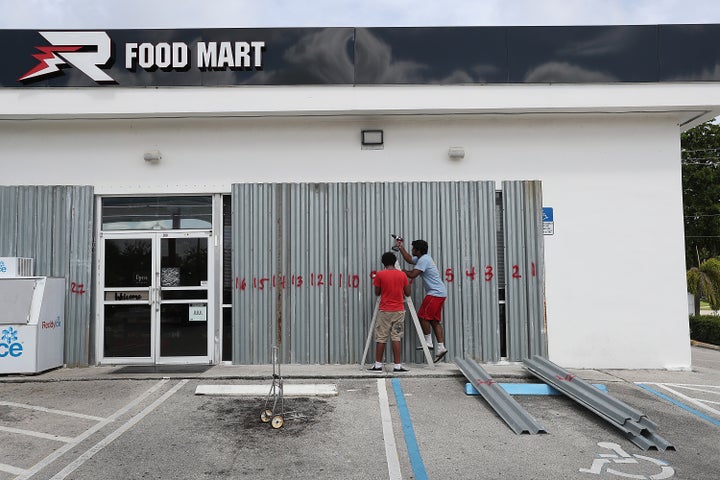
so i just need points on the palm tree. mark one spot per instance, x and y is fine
(704, 281)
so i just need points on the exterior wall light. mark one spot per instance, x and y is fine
(153, 156)
(372, 139)
(456, 153)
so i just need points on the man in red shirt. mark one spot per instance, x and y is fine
(392, 286)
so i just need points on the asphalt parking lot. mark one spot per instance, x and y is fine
(62, 425)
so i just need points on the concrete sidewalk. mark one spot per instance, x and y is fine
(245, 372)
(705, 368)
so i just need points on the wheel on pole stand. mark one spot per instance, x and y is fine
(275, 414)
(277, 421)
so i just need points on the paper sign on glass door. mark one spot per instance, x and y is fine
(198, 313)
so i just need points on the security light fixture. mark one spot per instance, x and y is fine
(456, 153)
(372, 138)
(153, 156)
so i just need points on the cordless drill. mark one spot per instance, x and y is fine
(395, 248)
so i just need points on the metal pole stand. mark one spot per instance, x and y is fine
(276, 416)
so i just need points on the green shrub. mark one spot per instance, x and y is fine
(705, 328)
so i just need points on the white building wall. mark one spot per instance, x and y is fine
(616, 295)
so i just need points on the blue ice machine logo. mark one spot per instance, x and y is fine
(9, 344)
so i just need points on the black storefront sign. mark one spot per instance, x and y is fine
(360, 56)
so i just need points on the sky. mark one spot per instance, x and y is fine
(147, 14)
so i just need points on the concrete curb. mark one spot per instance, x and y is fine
(289, 390)
(710, 346)
(258, 373)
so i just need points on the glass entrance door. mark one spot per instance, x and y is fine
(155, 298)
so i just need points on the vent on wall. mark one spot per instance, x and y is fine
(11, 267)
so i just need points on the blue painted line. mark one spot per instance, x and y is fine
(680, 404)
(413, 451)
(526, 388)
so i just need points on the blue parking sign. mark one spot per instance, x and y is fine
(548, 214)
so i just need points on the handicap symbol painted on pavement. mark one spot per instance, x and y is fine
(657, 470)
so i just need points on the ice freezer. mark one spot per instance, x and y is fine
(32, 324)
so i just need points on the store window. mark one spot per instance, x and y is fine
(157, 213)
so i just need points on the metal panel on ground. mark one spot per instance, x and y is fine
(54, 225)
(517, 418)
(635, 424)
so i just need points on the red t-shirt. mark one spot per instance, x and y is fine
(392, 283)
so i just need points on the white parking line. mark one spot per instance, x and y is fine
(32, 433)
(51, 410)
(10, 469)
(390, 448)
(124, 428)
(65, 448)
(700, 403)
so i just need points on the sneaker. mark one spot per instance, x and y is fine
(440, 356)
(375, 369)
(430, 347)
(400, 370)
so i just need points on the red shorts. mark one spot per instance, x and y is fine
(431, 308)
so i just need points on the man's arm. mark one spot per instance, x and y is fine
(406, 290)
(412, 273)
(377, 291)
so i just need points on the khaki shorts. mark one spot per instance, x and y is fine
(389, 324)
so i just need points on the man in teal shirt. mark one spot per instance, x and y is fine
(430, 312)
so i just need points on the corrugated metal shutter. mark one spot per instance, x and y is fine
(54, 226)
(303, 255)
(524, 274)
(254, 237)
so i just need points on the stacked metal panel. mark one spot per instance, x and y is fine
(517, 418)
(634, 424)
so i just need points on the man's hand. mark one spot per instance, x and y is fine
(399, 245)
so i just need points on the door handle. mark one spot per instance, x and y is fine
(158, 279)
(153, 295)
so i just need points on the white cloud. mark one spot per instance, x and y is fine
(131, 14)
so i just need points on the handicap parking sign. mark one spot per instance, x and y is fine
(548, 221)
(547, 214)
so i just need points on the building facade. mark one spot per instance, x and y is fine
(208, 194)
